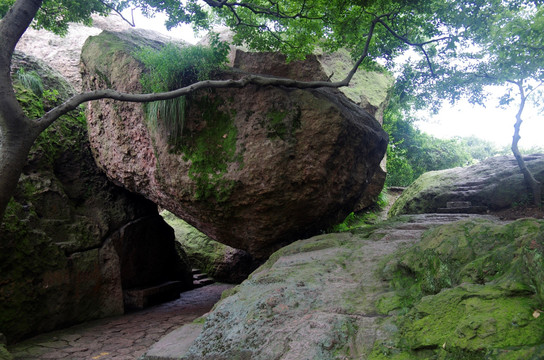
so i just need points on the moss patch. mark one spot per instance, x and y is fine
(203, 252)
(210, 146)
(281, 124)
(469, 288)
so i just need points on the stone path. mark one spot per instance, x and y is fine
(125, 337)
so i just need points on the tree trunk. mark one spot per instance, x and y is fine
(17, 132)
(533, 185)
(14, 149)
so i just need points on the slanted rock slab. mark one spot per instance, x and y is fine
(494, 184)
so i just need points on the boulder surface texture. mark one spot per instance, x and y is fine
(495, 183)
(71, 240)
(255, 168)
(417, 287)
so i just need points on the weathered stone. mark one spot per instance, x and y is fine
(256, 168)
(495, 184)
(58, 262)
(221, 262)
(341, 295)
(471, 289)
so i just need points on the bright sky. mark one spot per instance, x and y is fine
(490, 123)
(463, 119)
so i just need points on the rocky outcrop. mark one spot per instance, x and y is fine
(223, 263)
(395, 291)
(71, 241)
(494, 184)
(256, 167)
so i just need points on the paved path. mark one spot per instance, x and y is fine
(125, 337)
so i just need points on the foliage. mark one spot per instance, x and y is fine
(55, 15)
(173, 67)
(411, 153)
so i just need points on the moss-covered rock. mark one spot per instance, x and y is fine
(69, 233)
(219, 261)
(495, 183)
(472, 289)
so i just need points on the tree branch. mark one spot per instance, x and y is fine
(414, 44)
(75, 101)
(114, 9)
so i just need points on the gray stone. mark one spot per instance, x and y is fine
(313, 299)
(494, 184)
(175, 343)
(58, 259)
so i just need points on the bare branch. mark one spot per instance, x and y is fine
(109, 6)
(75, 101)
(414, 44)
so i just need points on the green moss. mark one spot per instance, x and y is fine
(204, 252)
(282, 124)
(4, 353)
(211, 149)
(411, 202)
(102, 49)
(467, 289)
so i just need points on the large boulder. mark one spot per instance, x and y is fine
(406, 289)
(71, 241)
(493, 184)
(256, 168)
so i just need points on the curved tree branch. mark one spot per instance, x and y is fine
(72, 103)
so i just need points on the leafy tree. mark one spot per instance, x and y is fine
(411, 152)
(503, 44)
(370, 29)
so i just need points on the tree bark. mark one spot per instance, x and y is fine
(533, 185)
(17, 132)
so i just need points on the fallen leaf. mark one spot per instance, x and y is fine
(536, 314)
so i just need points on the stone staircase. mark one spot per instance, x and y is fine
(200, 279)
(462, 207)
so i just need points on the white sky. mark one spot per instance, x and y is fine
(490, 123)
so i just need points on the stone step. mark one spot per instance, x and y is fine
(199, 276)
(200, 279)
(203, 282)
(139, 298)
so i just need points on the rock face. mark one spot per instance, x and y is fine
(493, 184)
(395, 291)
(256, 167)
(223, 263)
(71, 241)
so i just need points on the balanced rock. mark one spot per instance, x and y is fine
(494, 184)
(256, 167)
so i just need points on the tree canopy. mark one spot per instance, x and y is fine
(462, 45)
